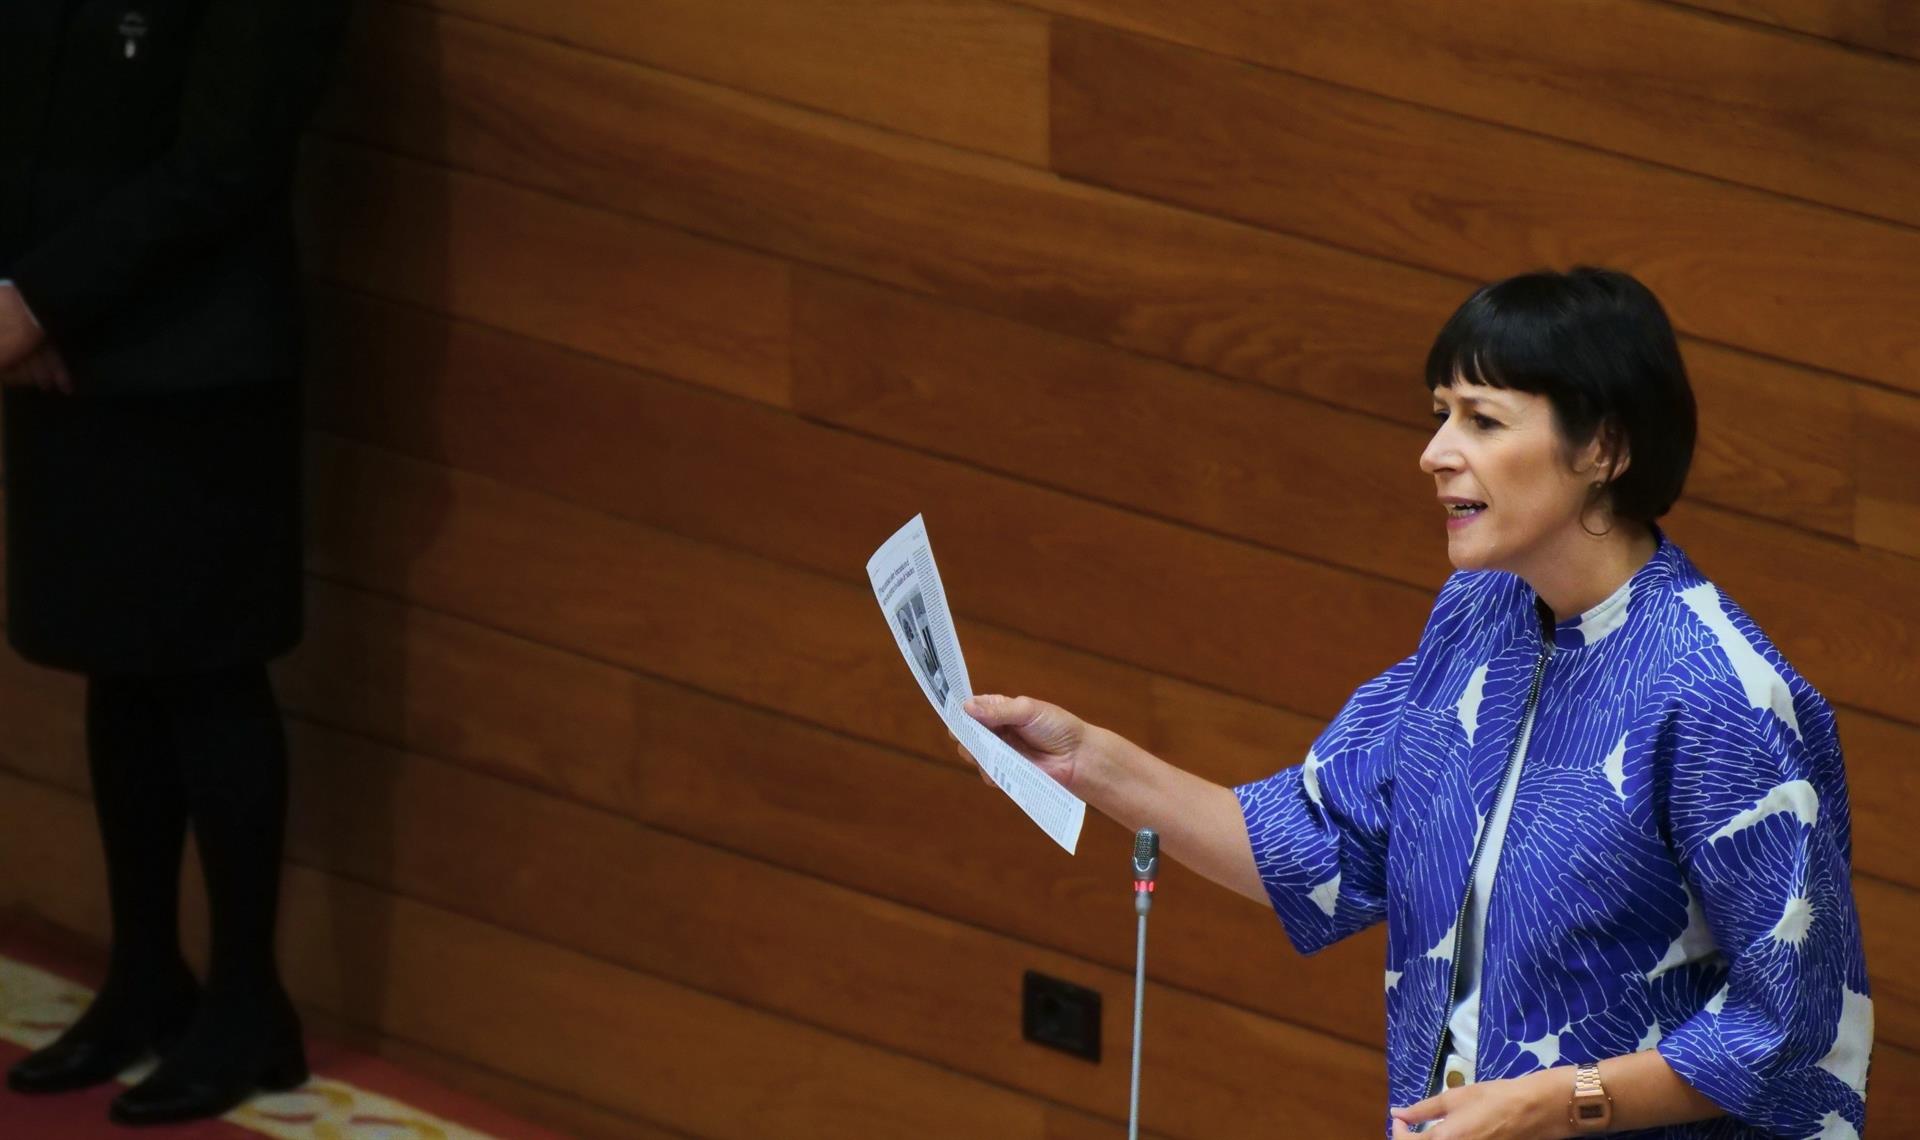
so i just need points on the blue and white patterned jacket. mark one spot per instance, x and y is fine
(1675, 871)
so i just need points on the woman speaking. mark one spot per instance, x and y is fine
(1604, 819)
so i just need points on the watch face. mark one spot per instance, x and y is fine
(1592, 1111)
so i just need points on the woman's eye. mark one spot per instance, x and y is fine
(1479, 420)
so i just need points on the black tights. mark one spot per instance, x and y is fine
(207, 749)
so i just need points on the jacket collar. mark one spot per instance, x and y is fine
(1587, 629)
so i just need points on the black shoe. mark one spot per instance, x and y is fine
(102, 1044)
(190, 1085)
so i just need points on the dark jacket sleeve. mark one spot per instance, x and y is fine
(257, 72)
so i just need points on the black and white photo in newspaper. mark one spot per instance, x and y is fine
(907, 585)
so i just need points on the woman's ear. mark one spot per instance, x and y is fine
(1622, 456)
(1611, 457)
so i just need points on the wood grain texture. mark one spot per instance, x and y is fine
(1775, 442)
(1868, 678)
(600, 283)
(1731, 264)
(571, 1116)
(1736, 101)
(557, 1018)
(1890, 26)
(970, 73)
(737, 473)
(980, 231)
(1888, 429)
(1282, 470)
(805, 797)
(723, 621)
(774, 940)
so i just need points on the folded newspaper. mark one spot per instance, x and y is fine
(907, 584)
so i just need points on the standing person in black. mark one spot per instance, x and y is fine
(150, 348)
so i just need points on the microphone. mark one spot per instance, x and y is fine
(1146, 867)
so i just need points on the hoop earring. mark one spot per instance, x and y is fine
(1593, 491)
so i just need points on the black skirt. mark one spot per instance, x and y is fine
(157, 533)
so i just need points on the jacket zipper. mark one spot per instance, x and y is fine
(1473, 866)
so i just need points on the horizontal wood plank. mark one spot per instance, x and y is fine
(1736, 101)
(1731, 264)
(1888, 432)
(971, 73)
(608, 285)
(1878, 25)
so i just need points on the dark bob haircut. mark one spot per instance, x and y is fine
(1598, 345)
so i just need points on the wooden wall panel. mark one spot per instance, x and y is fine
(987, 233)
(602, 284)
(972, 73)
(1888, 512)
(778, 941)
(1732, 264)
(1737, 101)
(805, 797)
(1226, 456)
(760, 475)
(1880, 25)
(1874, 678)
(1871, 670)
(570, 1116)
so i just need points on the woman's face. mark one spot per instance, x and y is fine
(1501, 448)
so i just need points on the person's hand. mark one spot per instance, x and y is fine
(1518, 1108)
(20, 334)
(1048, 735)
(44, 367)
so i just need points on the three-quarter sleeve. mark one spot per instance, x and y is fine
(1319, 828)
(1758, 819)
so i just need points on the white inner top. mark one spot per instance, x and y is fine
(1465, 1022)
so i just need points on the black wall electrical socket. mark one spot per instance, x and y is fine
(1060, 1015)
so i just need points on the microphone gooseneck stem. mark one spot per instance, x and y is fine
(1146, 872)
(1139, 996)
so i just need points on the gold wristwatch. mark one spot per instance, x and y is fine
(1591, 1109)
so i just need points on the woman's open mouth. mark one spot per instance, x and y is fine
(1461, 515)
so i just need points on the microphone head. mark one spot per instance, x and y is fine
(1146, 855)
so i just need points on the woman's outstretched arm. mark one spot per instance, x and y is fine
(1199, 821)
